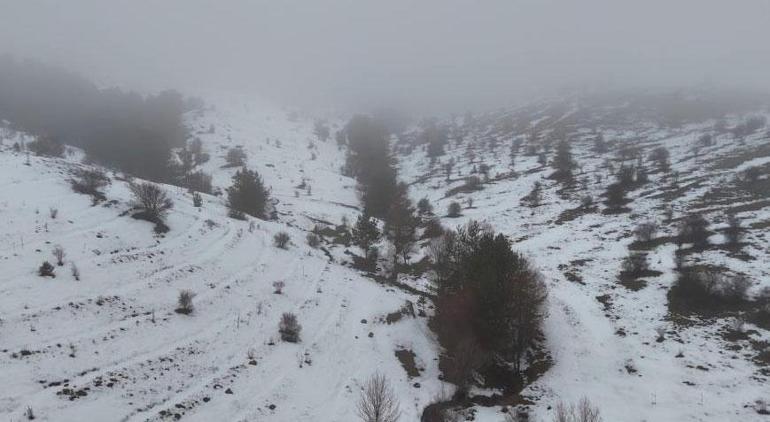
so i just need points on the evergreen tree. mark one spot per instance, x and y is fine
(401, 224)
(247, 195)
(563, 162)
(365, 232)
(369, 160)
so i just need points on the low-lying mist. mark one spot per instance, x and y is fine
(431, 55)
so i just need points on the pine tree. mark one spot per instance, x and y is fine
(401, 224)
(365, 232)
(247, 195)
(563, 162)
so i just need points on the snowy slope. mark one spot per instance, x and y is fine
(111, 348)
(602, 336)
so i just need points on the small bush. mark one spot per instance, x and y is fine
(278, 287)
(53, 213)
(646, 231)
(694, 230)
(197, 200)
(197, 181)
(281, 240)
(47, 146)
(472, 183)
(635, 263)
(424, 207)
(289, 328)
(535, 197)
(236, 157)
(46, 270)
(185, 302)
(585, 411)
(616, 196)
(586, 201)
(454, 210)
(313, 240)
(75, 272)
(90, 182)
(708, 290)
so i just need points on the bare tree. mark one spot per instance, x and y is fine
(378, 401)
(152, 199)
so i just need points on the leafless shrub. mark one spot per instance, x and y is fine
(635, 263)
(75, 271)
(378, 401)
(58, 253)
(53, 213)
(289, 328)
(185, 302)
(152, 199)
(90, 182)
(583, 412)
(281, 240)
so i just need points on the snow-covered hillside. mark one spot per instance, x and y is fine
(601, 334)
(110, 347)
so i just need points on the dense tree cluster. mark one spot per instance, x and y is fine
(490, 300)
(122, 129)
(435, 137)
(369, 160)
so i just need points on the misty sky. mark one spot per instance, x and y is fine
(440, 52)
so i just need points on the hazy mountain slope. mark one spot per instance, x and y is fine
(602, 335)
(110, 346)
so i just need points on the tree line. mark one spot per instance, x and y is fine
(131, 132)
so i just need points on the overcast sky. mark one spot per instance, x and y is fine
(430, 52)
